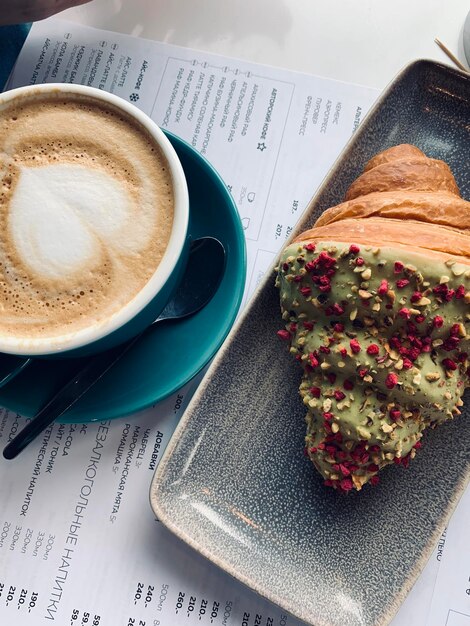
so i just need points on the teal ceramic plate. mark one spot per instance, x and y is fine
(171, 354)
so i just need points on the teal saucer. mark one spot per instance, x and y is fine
(171, 354)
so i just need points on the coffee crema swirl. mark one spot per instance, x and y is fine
(86, 211)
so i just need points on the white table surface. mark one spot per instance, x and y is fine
(361, 41)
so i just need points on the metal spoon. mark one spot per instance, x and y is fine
(200, 281)
(12, 365)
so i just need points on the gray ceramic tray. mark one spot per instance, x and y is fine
(233, 482)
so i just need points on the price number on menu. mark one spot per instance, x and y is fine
(10, 595)
(179, 602)
(187, 605)
(145, 595)
(257, 619)
(191, 606)
(85, 619)
(18, 597)
(215, 611)
(280, 229)
(132, 621)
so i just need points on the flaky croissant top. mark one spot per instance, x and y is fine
(376, 300)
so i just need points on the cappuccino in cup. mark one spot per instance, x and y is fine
(87, 210)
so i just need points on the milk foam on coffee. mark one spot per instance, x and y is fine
(86, 210)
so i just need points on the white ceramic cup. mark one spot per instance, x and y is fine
(139, 312)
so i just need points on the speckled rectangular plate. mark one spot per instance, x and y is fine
(234, 483)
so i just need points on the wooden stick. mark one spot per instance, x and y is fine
(451, 56)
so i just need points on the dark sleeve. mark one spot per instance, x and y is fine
(12, 39)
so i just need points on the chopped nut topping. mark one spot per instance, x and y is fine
(363, 433)
(423, 302)
(365, 349)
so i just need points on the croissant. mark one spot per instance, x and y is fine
(375, 299)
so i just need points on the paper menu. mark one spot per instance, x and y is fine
(80, 545)
(451, 599)
(78, 542)
(271, 134)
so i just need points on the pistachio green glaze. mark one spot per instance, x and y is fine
(426, 391)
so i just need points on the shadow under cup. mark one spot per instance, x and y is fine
(146, 304)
